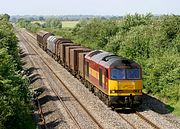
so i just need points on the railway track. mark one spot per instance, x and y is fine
(138, 114)
(145, 119)
(40, 111)
(35, 48)
(127, 121)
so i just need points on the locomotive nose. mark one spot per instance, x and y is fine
(126, 85)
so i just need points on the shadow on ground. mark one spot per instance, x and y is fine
(149, 103)
(47, 98)
(65, 98)
(47, 113)
(39, 91)
(152, 103)
(49, 125)
(30, 70)
(23, 54)
(53, 124)
(34, 78)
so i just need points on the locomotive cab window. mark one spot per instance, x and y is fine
(118, 74)
(133, 73)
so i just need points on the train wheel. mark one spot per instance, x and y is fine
(89, 86)
(98, 94)
(95, 91)
(131, 101)
(86, 84)
(108, 102)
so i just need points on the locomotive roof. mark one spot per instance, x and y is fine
(97, 58)
(111, 60)
(114, 61)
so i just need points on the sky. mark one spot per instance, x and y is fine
(89, 7)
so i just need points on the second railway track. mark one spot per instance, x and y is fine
(129, 117)
(35, 49)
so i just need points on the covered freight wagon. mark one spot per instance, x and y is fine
(40, 36)
(57, 46)
(67, 53)
(74, 58)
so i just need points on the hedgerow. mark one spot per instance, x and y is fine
(15, 112)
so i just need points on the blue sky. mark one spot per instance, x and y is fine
(88, 7)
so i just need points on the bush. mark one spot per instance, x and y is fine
(53, 23)
(15, 96)
(95, 33)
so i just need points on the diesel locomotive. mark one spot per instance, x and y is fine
(115, 80)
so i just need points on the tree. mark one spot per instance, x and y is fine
(53, 23)
(14, 93)
(6, 16)
(41, 18)
(95, 33)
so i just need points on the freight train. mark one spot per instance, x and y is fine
(115, 80)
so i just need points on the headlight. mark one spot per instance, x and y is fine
(112, 91)
(139, 91)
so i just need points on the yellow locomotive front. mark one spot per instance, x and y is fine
(125, 83)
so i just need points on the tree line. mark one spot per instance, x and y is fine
(51, 23)
(15, 98)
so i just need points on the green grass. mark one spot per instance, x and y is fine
(41, 22)
(65, 24)
(176, 109)
(69, 24)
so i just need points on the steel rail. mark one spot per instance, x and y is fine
(145, 119)
(127, 121)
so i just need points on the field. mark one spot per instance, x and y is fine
(69, 24)
(41, 22)
(65, 24)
